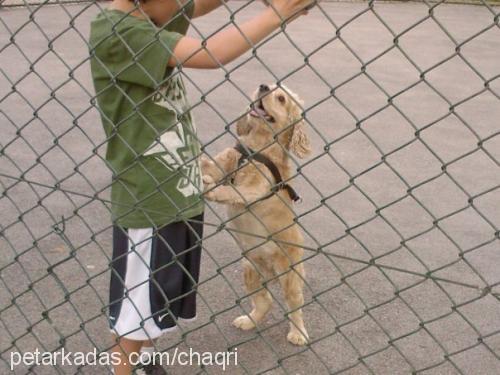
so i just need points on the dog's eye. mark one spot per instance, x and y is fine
(281, 98)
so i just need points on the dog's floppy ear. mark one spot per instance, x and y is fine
(299, 142)
(242, 126)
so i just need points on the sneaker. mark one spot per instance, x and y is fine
(151, 370)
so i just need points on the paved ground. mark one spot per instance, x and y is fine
(423, 305)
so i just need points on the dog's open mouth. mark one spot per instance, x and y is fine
(258, 110)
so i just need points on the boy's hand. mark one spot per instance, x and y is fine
(225, 46)
(290, 9)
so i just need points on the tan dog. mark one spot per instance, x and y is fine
(262, 219)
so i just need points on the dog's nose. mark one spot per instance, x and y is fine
(264, 88)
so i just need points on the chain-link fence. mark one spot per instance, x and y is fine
(400, 195)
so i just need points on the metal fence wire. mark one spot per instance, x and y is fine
(400, 196)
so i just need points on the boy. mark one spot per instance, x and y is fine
(152, 150)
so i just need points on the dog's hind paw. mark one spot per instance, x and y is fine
(243, 322)
(297, 338)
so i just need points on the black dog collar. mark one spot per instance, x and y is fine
(247, 153)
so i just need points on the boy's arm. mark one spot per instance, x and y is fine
(202, 7)
(231, 43)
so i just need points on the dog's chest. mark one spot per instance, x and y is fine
(251, 232)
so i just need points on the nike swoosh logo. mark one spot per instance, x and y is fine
(160, 318)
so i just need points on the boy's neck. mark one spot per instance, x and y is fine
(158, 11)
(126, 7)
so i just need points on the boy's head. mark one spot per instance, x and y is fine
(160, 11)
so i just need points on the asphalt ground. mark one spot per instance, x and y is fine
(401, 210)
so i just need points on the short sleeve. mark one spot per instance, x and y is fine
(140, 55)
(181, 20)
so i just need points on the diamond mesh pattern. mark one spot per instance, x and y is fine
(401, 194)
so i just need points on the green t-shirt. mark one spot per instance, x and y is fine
(152, 147)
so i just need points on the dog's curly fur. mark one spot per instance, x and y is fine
(265, 228)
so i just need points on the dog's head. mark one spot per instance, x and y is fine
(276, 113)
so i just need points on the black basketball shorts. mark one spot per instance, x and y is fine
(154, 273)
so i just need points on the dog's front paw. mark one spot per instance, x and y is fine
(210, 192)
(297, 338)
(244, 322)
(208, 182)
(205, 162)
(219, 193)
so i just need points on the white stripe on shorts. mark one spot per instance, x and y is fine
(136, 307)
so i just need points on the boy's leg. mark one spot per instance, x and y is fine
(125, 347)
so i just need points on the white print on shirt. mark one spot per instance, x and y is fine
(176, 141)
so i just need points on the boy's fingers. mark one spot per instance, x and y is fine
(311, 5)
(304, 11)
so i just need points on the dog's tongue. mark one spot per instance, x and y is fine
(258, 112)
